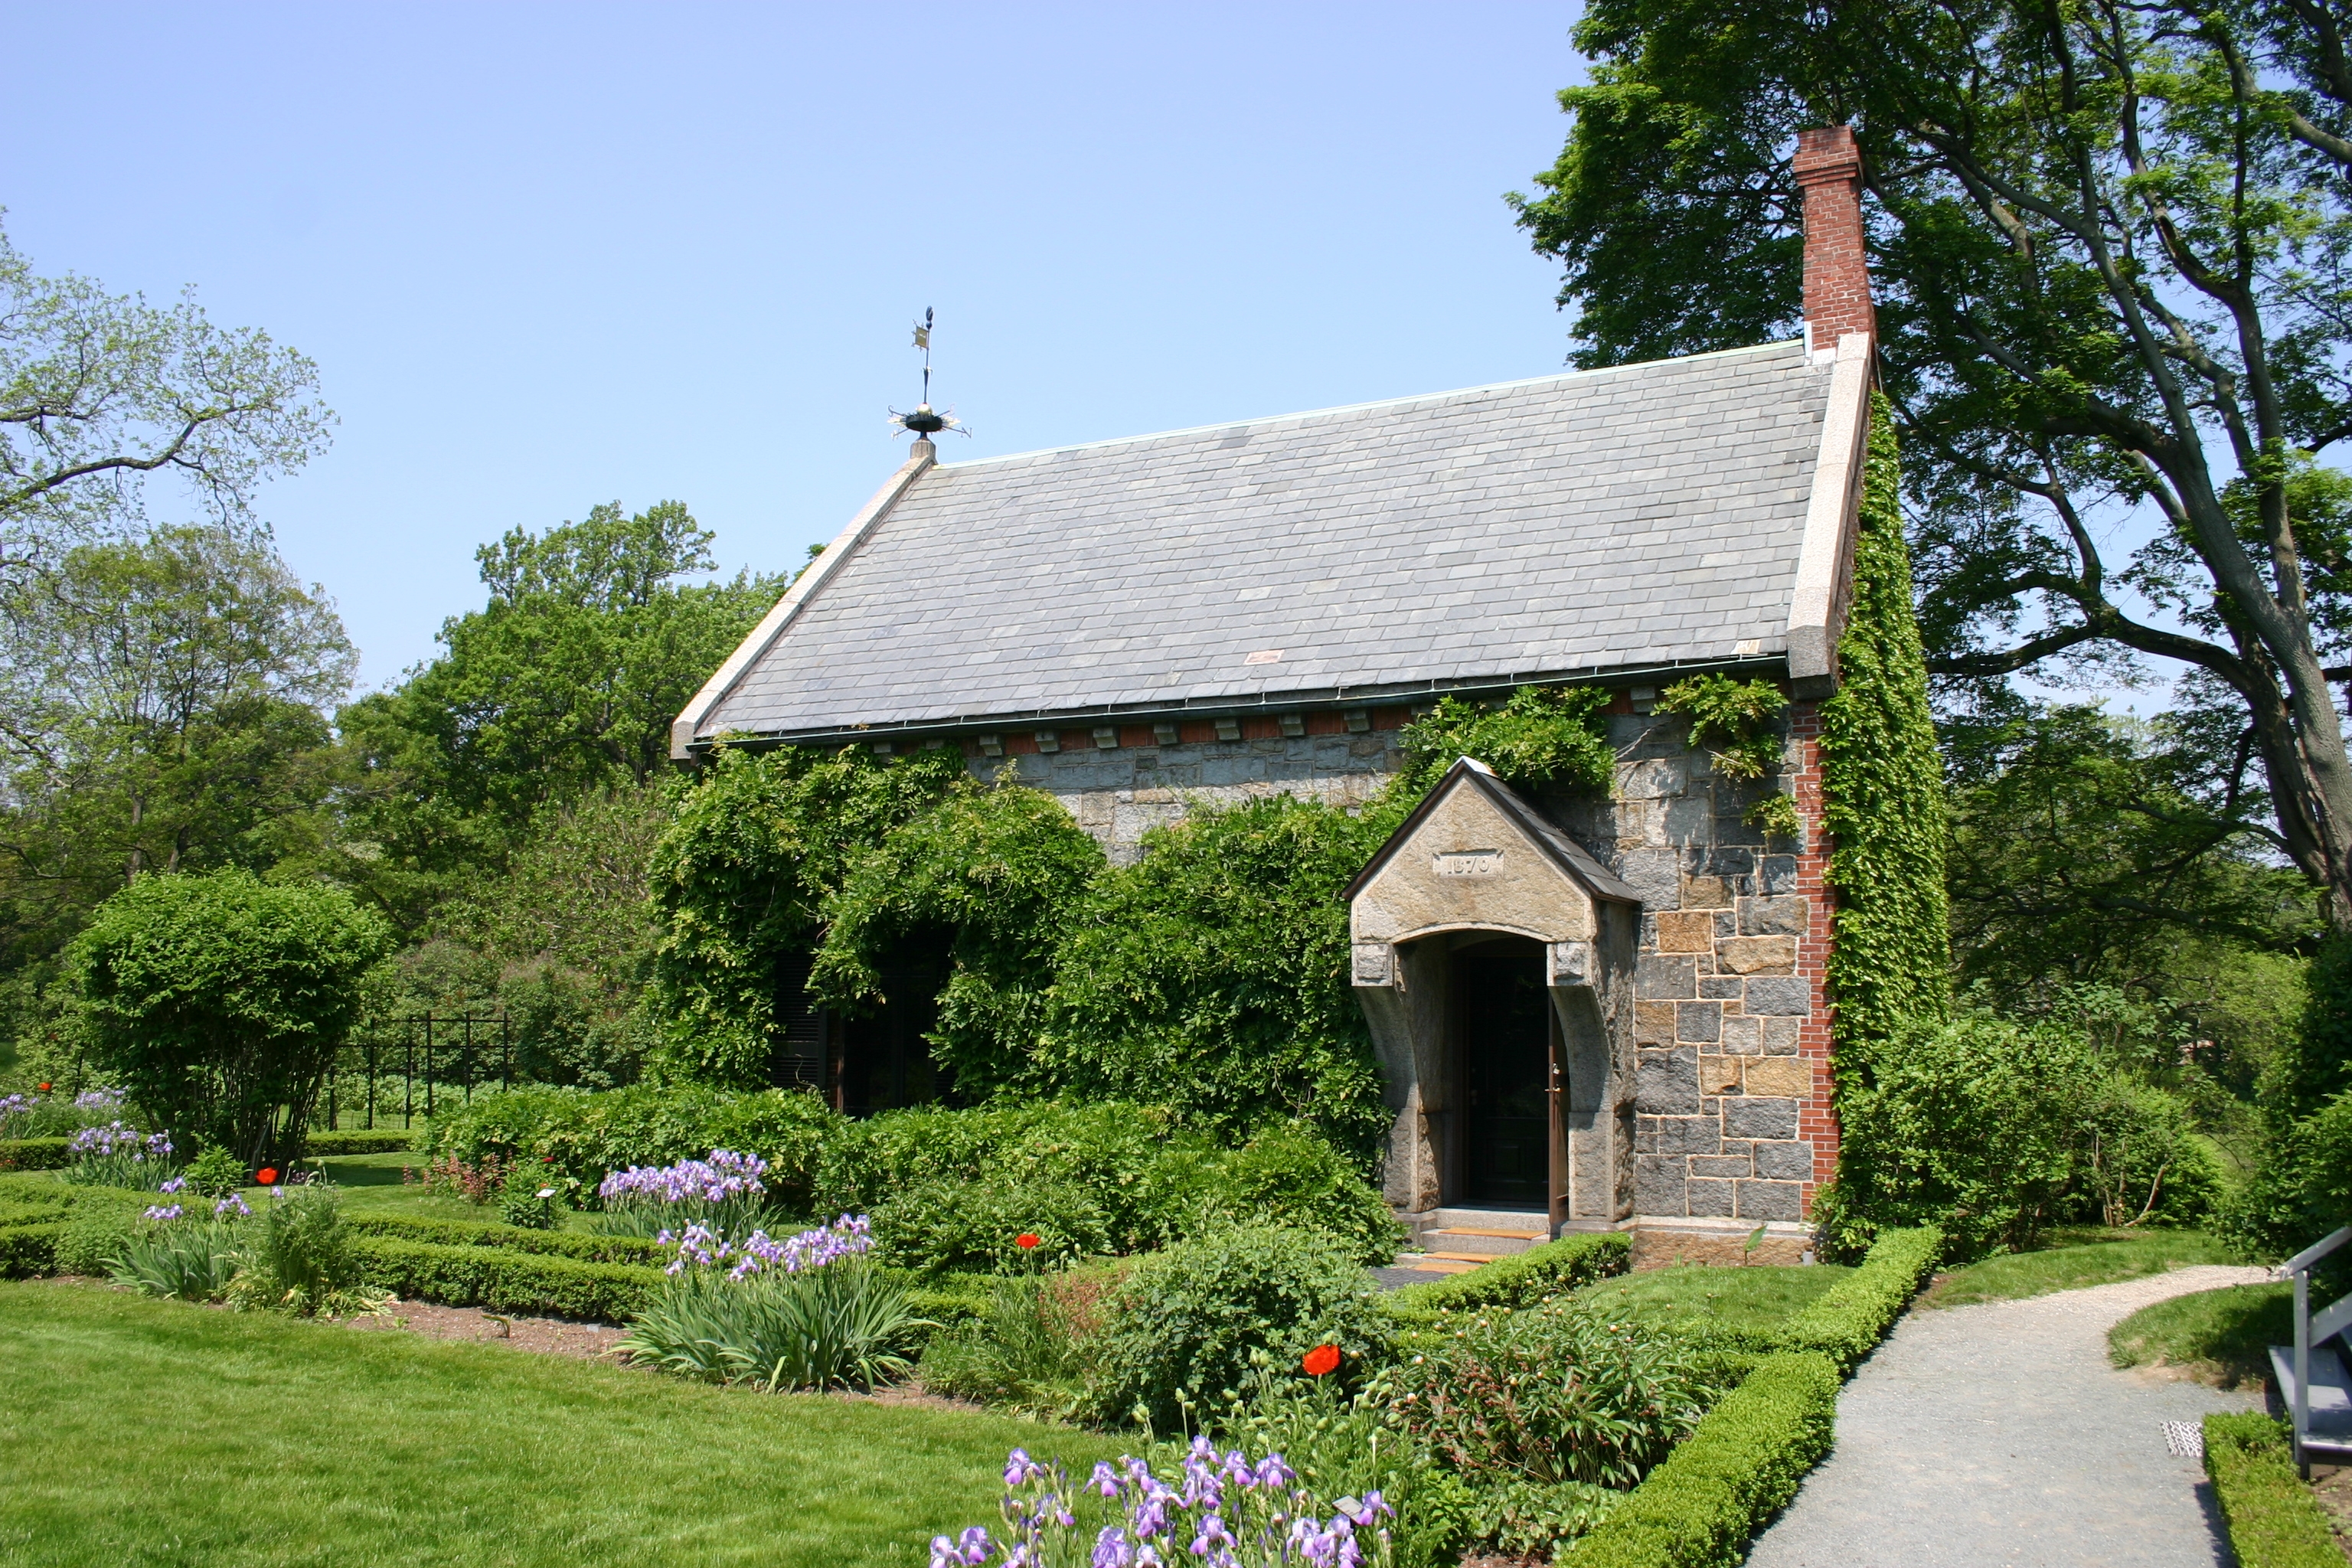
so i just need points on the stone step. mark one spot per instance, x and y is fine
(1455, 1240)
(1424, 1263)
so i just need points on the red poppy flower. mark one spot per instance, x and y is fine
(45, 1089)
(265, 1175)
(1321, 1360)
(1025, 1240)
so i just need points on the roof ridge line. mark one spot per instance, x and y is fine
(1360, 407)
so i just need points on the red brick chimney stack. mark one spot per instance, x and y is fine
(1837, 278)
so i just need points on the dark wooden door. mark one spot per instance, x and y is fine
(1503, 1024)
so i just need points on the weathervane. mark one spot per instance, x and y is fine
(924, 421)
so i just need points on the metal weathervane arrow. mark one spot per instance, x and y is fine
(925, 421)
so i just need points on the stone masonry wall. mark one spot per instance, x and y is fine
(1733, 1115)
(1732, 1108)
(1150, 776)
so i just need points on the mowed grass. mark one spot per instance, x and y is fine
(159, 1432)
(1760, 1298)
(374, 1184)
(2075, 1259)
(2222, 1336)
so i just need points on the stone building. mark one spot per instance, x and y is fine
(1609, 1009)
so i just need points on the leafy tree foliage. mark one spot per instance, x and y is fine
(217, 999)
(2109, 246)
(98, 391)
(163, 708)
(564, 684)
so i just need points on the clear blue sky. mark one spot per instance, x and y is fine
(547, 255)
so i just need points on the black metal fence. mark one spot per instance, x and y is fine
(406, 1066)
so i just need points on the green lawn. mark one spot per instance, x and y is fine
(150, 1432)
(371, 1183)
(2072, 1259)
(1760, 1298)
(2223, 1335)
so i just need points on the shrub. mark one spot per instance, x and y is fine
(580, 1138)
(216, 1173)
(1032, 1345)
(366, 1140)
(36, 1153)
(951, 1189)
(193, 1261)
(29, 1250)
(1742, 1465)
(504, 1279)
(219, 999)
(846, 1324)
(1186, 1320)
(1554, 1395)
(2274, 1521)
(298, 1259)
(87, 1240)
(586, 1248)
(1518, 1280)
(1855, 1313)
(526, 1199)
(2304, 1189)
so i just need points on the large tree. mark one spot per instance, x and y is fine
(164, 703)
(564, 684)
(2109, 243)
(99, 392)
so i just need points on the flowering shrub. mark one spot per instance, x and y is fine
(722, 1194)
(1549, 1395)
(701, 1248)
(119, 1155)
(1220, 1509)
(838, 1322)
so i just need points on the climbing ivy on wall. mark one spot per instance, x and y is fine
(757, 844)
(1883, 783)
(1540, 736)
(1739, 714)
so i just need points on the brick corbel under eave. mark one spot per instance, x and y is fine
(1817, 607)
(771, 627)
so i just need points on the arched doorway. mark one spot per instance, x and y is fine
(1502, 1037)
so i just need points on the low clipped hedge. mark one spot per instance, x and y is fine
(1855, 1313)
(1519, 1279)
(505, 1279)
(634, 1250)
(1748, 1458)
(2274, 1521)
(371, 1140)
(29, 1251)
(34, 1153)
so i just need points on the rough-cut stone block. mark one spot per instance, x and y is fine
(1721, 988)
(1786, 1078)
(1779, 996)
(1656, 875)
(1706, 1197)
(1690, 930)
(1784, 1162)
(1719, 1075)
(1699, 1023)
(1705, 893)
(1724, 1166)
(1767, 1200)
(1654, 779)
(1748, 1117)
(1655, 1247)
(1666, 1084)
(1780, 874)
(1781, 1035)
(1758, 954)
(1774, 917)
(1658, 1184)
(1689, 1135)
(1653, 1023)
(1689, 819)
(1742, 1036)
(1727, 862)
(1660, 978)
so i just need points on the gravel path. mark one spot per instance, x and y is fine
(1999, 1437)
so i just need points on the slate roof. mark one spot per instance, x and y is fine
(1646, 516)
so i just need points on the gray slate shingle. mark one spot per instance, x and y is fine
(1611, 518)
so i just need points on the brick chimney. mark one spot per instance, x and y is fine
(1837, 280)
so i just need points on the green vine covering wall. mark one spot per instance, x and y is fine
(1539, 736)
(1882, 783)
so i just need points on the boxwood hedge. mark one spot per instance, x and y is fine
(1520, 1280)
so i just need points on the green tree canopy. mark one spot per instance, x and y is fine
(99, 391)
(564, 683)
(163, 707)
(219, 999)
(2108, 244)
